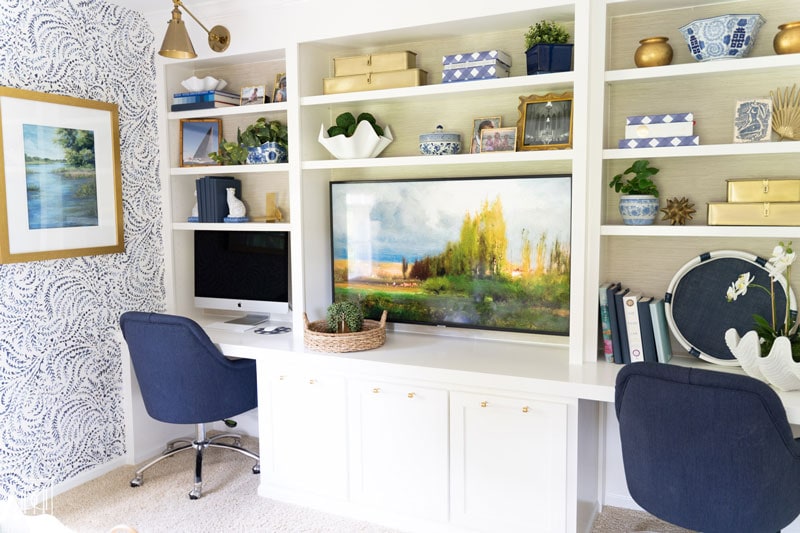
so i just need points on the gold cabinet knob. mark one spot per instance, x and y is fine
(376, 390)
(412, 394)
(312, 381)
(525, 409)
(484, 403)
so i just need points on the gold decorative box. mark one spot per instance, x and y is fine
(754, 214)
(364, 64)
(764, 190)
(375, 81)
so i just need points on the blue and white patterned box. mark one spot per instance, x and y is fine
(666, 125)
(658, 142)
(469, 72)
(473, 57)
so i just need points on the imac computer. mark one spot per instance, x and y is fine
(245, 271)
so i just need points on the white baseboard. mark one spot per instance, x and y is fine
(89, 475)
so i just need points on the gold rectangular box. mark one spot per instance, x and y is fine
(754, 214)
(364, 64)
(375, 81)
(764, 190)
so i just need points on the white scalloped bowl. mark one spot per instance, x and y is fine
(364, 143)
(209, 83)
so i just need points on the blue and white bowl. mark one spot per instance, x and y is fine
(722, 37)
(269, 152)
(440, 142)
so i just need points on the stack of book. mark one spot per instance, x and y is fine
(212, 197)
(634, 326)
(203, 100)
(655, 131)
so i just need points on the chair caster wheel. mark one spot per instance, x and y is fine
(257, 469)
(194, 494)
(137, 481)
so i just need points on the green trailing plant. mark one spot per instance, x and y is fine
(344, 317)
(640, 180)
(346, 124)
(546, 32)
(256, 134)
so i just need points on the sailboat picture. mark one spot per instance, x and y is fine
(199, 138)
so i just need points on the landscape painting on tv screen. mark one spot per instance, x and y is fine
(488, 253)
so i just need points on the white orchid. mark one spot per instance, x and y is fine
(782, 258)
(739, 287)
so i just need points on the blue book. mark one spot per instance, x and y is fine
(612, 319)
(660, 330)
(621, 328)
(646, 330)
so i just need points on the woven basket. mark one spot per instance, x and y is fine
(316, 336)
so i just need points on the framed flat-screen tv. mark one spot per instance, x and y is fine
(486, 253)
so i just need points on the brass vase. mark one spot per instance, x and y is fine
(653, 52)
(787, 40)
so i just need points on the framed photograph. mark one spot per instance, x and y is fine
(279, 93)
(60, 178)
(478, 125)
(199, 138)
(499, 140)
(254, 94)
(753, 120)
(487, 253)
(545, 122)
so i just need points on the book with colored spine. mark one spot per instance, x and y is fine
(622, 330)
(630, 305)
(612, 319)
(660, 330)
(605, 323)
(646, 330)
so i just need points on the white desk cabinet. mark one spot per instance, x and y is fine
(508, 463)
(304, 444)
(398, 447)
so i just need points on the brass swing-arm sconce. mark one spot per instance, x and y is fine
(177, 44)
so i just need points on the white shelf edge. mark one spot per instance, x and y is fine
(619, 230)
(763, 148)
(222, 226)
(229, 169)
(229, 111)
(424, 160)
(554, 81)
(703, 68)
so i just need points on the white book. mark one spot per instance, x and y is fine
(631, 310)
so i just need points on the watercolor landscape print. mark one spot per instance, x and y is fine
(487, 253)
(60, 177)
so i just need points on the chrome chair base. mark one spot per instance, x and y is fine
(199, 444)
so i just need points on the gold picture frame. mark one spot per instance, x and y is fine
(279, 92)
(67, 146)
(199, 137)
(545, 122)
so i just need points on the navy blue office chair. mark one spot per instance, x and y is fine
(707, 450)
(185, 379)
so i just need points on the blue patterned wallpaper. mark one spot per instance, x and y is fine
(61, 407)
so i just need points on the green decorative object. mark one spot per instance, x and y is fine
(344, 317)
(256, 134)
(346, 124)
(546, 32)
(639, 183)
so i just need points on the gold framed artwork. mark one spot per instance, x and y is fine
(279, 93)
(199, 137)
(545, 122)
(499, 139)
(60, 178)
(478, 125)
(253, 94)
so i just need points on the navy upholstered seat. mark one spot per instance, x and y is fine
(185, 379)
(706, 450)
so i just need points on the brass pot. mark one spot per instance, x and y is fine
(787, 40)
(653, 52)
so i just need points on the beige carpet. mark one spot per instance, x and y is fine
(230, 503)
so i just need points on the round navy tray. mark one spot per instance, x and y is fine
(698, 312)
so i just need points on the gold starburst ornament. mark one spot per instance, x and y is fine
(786, 112)
(678, 211)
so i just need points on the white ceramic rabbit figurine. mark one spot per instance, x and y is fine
(236, 208)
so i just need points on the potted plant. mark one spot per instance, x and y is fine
(638, 204)
(344, 317)
(261, 142)
(547, 49)
(355, 137)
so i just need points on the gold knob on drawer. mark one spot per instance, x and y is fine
(484, 403)
(376, 390)
(412, 394)
(525, 409)
(312, 381)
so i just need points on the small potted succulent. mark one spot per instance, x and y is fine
(638, 204)
(546, 48)
(355, 137)
(261, 142)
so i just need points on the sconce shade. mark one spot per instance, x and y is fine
(177, 44)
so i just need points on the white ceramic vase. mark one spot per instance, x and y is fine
(364, 143)
(777, 368)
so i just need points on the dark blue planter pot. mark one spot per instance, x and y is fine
(544, 58)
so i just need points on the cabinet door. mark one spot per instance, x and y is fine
(508, 463)
(304, 441)
(399, 455)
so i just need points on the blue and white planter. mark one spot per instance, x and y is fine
(269, 152)
(638, 209)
